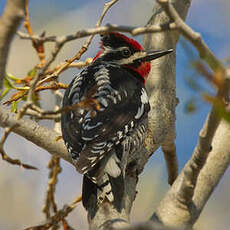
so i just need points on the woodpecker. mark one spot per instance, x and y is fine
(109, 114)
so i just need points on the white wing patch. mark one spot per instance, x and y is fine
(144, 96)
(140, 112)
(144, 100)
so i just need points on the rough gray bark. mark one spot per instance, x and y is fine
(161, 86)
(170, 211)
(217, 163)
(161, 83)
(9, 21)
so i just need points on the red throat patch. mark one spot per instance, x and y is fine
(143, 70)
(98, 55)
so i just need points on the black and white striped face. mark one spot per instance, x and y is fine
(122, 56)
(118, 49)
(121, 50)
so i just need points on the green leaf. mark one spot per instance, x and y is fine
(32, 72)
(4, 93)
(220, 107)
(14, 106)
(190, 106)
(222, 112)
(7, 83)
(10, 76)
(7, 86)
(194, 85)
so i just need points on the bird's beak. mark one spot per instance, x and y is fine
(154, 54)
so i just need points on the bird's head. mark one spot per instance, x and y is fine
(119, 49)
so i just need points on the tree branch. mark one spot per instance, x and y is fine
(162, 88)
(32, 131)
(180, 202)
(177, 208)
(134, 31)
(169, 149)
(217, 163)
(60, 215)
(176, 212)
(9, 21)
(194, 37)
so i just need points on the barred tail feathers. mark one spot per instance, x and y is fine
(109, 186)
(112, 189)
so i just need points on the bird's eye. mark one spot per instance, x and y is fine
(126, 52)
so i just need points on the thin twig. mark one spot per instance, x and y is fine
(87, 43)
(59, 216)
(194, 37)
(35, 133)
(169, 150)
(5, 156)
(41, 116)
(12, 161)
(66, 226)
(38, 45)
(41, 72)
(55, 169)
(132, 30)
(77, 65)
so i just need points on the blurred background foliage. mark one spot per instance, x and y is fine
(22, 193)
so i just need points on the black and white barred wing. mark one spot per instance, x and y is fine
(118, 103)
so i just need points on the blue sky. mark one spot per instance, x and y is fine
(65, 17)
